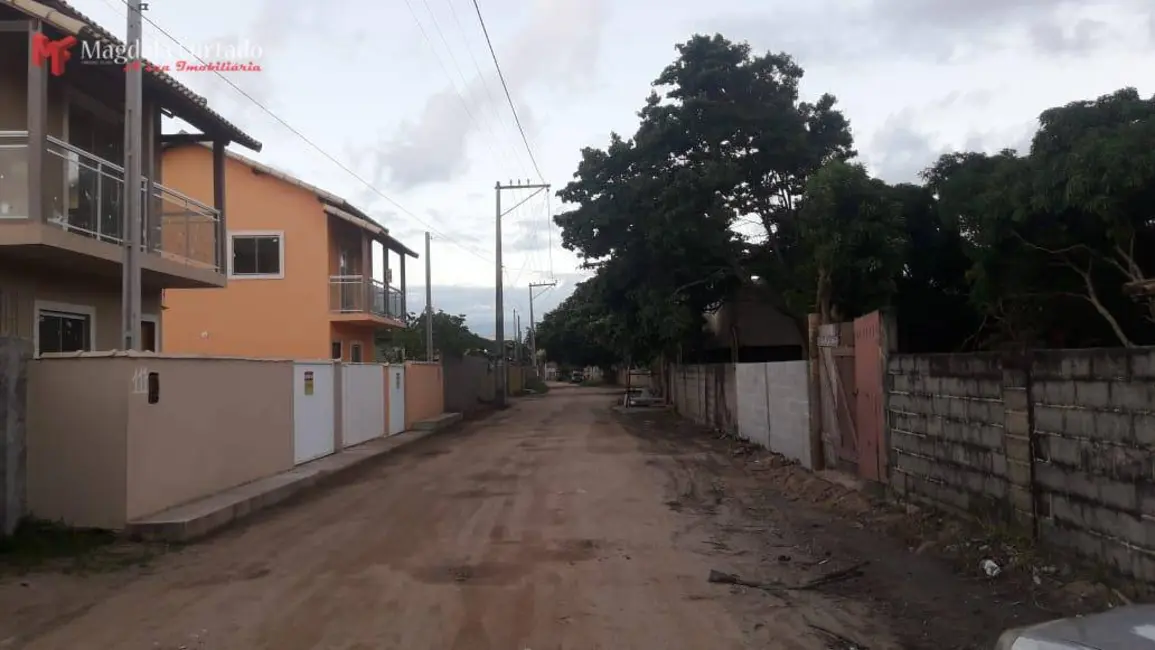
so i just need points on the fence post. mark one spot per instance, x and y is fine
(1018, 438)
(814, 390)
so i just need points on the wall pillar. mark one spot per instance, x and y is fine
(1017, 439)
(14, 356)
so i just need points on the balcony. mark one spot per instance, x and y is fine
(357, 298)
(83, 195)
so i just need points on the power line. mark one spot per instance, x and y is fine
(445, 70)
(505, 87)
(312, 144)
(481, 78)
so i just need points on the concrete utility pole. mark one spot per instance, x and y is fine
(516, 338)
(133, 201)
(500, 290)
(533, 327)
(428, 302)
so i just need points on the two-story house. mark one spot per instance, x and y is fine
(300, 269)
(62, 223)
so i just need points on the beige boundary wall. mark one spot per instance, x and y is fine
(115, 436)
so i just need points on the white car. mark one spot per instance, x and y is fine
(1123, 628)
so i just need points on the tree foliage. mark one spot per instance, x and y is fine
(451, 337)
(1030, 249)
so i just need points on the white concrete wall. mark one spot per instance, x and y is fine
(773, 408)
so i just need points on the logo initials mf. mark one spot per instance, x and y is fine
(56, 52)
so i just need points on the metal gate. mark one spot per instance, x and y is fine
(313, 411)
(396, 391)
(362, 403)
(837, 388)
(868, 371)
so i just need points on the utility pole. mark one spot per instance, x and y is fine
(133, 184)
(428, 302)
(500, 297)
(516, 338)
(533, 328)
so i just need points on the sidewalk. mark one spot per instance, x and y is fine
(198, 518)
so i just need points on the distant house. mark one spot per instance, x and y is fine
(747, 328)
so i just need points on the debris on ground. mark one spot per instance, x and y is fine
(855, 571)
(990, 568)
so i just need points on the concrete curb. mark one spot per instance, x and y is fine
(197, 519)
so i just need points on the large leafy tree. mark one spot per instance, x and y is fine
(851, 239)
(724, 136)
(1093, 185)
(1054, 236)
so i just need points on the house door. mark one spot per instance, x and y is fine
(396, 399)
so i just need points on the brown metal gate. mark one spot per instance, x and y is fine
(836, 359)
(868, 370)
(851, 357)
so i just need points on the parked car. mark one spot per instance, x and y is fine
(1124, 628)
(577, 377)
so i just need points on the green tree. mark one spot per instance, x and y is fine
(852, 241)
(451, 337)
(580, 331)
(728, 138)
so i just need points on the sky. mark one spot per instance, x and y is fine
(410, 121)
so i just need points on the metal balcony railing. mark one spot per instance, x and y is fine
(84, 194)
(354, 294)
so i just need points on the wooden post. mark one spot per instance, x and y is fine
(814, 393)
(223, 261)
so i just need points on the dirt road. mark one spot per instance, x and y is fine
(550, 525)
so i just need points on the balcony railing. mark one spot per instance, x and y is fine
(84, 194)
(355, 294)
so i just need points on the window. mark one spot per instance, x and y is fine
(58, 330)
(355, 353)
(257, 255)
(336, 350)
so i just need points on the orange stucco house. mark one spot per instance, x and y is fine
(299, 268)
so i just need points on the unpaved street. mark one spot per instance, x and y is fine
(550, 525)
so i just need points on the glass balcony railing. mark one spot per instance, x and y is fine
(84, 194)
(353, 294)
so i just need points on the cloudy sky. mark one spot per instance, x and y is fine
(403, 93)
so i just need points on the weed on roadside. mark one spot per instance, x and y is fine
(45, 545)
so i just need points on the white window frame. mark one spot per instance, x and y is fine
(65, 308)
(155, 320)
(279, 234)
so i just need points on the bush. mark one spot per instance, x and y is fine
(536, 385)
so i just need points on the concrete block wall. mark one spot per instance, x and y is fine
(774, 407)
(946, 416)
(1094, 420)
(1058, 440)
